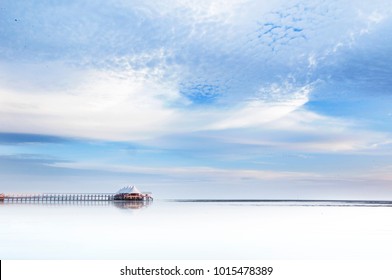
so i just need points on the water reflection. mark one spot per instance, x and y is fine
(132, 204)
(192, 230)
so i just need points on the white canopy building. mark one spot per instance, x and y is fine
(129, 189)
(132, 193)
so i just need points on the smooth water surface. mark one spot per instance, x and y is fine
(194, 230)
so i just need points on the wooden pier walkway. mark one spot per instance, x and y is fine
(58, 197)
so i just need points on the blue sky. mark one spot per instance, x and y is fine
(206, 99)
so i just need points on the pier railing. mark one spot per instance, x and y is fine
(58, 197)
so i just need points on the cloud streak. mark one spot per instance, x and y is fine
(107, 106)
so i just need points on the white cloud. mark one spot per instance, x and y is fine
(211, 174)
(100, 106)
(269, 107)
(377, 174)
(128, 105)
(196, 172)
(304, 131)
(128, 87)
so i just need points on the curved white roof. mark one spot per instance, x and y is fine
(129, 189)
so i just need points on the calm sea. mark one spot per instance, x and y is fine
(195, 230)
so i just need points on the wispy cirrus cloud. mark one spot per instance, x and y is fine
(194, 172)
(127, 106)
(212, 85)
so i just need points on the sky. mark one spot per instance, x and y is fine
(197, 99)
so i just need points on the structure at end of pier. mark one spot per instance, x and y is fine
(131, 193)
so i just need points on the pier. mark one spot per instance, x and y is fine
(57, 197)
(130, 193)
